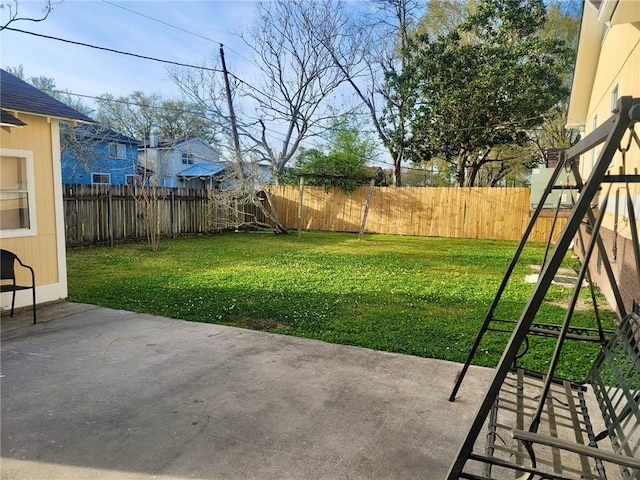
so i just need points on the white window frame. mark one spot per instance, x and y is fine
(615, 94)
(189, 157)
(121, 151)
(32, 230)
(100, 183)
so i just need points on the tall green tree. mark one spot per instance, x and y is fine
(343, 163)
(483, 85)
(444, 16)
(365, 46)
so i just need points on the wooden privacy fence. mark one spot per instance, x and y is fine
(107, 214)
(111, 213)
(486, 213)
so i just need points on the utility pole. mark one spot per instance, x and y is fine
(232, 115)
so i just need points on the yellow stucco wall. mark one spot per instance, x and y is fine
(618, 64)
(39, 251)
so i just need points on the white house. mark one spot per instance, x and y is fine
(189, 163)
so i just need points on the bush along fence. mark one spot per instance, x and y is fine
(108, 214)
(483, 213)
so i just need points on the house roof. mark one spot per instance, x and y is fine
(103, 134)
(589, 43)
(6, 119)
(178, 143)
(17, 95)
(202, 170)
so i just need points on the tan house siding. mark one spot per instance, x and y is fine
(598, 73)
(618, 65)
(42, 250)
(619, 62)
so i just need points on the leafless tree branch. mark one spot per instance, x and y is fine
(13, 14)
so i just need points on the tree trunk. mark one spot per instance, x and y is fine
(397, 169)
(461, 164)
(472, 175)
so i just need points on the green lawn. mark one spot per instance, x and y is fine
(420, 296)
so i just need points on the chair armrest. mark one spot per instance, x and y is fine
(526, 436)
(33, 276)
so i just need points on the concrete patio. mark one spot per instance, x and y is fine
(93, 393)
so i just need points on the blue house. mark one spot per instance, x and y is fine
(95, 155)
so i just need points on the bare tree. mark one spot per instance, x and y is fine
(297, 73)
(290, 100)
(367, 49)
(11, 13)
(203, 89)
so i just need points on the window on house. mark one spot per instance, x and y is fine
(17, 194)
(101, 178)
(187, 158)
(133, 180)
(614, 99)
(117, 150)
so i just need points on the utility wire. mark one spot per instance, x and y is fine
(180, 29)
(217, 70)
(159, 21)
(198, 114)
(144, 57)
(120, 52)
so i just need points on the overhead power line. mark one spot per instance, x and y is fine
(120, 52)
(198, 114)
(170, 25)
(159, 21)
(274, 133)
(136, 55)
(216, 70)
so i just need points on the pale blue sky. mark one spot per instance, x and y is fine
(123, 25)
(92, 72)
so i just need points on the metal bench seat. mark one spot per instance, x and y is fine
(541, 427)
(571, 440)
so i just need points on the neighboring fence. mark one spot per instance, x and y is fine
(487, 213)
(108, 214)
(98, 214)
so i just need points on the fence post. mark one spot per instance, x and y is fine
(365, 214)
(110, 216)
(173, 213)
(300, 204)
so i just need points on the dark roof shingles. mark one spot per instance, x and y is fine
(18, 95)
(7, 119)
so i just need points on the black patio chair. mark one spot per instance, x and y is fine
(8, 273)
